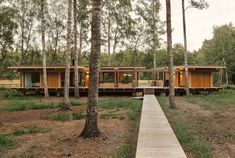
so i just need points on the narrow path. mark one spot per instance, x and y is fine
(156, 138)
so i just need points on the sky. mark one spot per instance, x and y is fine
(200, 23)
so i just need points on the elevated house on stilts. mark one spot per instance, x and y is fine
(117, 80)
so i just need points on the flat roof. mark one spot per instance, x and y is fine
(198, 67)
(122, 68)
(72, 67)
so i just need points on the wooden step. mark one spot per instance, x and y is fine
(149, 91)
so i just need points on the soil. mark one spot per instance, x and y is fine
(216, 127)
(61, 139)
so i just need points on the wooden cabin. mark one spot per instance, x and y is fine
(198, 76)
(32, 77)
(119, 79)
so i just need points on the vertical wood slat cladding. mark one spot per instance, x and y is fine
(201, 79)
(176, 79)
(53, 79)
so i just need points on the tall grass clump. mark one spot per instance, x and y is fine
(29, 105)
(5, 143)
(123, 151)
(65, 116)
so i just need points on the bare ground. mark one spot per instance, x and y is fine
(216, 127)
(61, 139)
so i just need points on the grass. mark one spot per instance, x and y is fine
(6, 142)
(126, 103)
(184, 133)
(33, 151)
(108, 116)
(123, 151)
(162, 101)
(28, 105)
(19, 105)
(75, 103)
(224, 98)
(30, 130)
(112, 103)
(65, 116)
(9, 93)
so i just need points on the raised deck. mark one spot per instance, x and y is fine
(139, 91)
(156, 138)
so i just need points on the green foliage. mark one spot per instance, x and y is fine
(58, 117)
(182, 131)
(75, 102)
(5, 142)
(162, 101)
(123, 151)
(199, 148)
(224, 98)
(108, 116)
(17, 105)
(30, 130)
(12, 94)
(219, 50)
(112, 103)
(202, 4)
(132, 104)
(78, 116)
(65, 116)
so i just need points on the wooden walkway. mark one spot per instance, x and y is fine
(156, 138)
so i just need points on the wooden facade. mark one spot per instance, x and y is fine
(198, 76)
(117, 77)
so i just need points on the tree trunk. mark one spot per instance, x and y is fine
(114, 44)
(22, 25)
(154, 43)
(91, 126)
(170, 55)
(55, 49)
(109, 39)
(185, 51)
(76, 79)
(67, 59)
(44, 60)
(80, 40)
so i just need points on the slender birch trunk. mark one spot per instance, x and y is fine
(91, 126)
(185, 50)
(67, 59)
(109, 39)
(170, 56)
(76, 79)
(46, 94)
(22, 26)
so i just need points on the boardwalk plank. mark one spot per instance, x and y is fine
(156, 138)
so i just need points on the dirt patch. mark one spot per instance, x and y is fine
(61, 138)
(216, 127)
